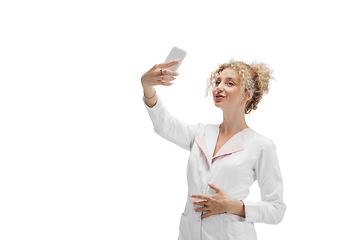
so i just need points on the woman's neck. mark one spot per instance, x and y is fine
(233, 122)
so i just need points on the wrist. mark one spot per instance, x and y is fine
(144, 85)
(147, 88)
(236, 207)
(152, 89)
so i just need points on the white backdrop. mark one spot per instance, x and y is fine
(79, 158)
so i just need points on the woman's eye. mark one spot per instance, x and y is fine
(217, 82)
(231, 84)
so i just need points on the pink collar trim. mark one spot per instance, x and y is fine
(201, 141)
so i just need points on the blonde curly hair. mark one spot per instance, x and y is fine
(253, 76)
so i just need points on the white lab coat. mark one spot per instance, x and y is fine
(246, 157)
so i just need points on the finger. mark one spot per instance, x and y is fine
(201, 203)
(202, 209)
(207, 214)
(213, 186)
(200, 196)
(166, 78)
(163, 73)
(168, 72)
(165, 83)
(168, 64)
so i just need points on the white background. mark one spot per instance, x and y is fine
(79, 158)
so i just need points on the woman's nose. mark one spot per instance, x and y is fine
(220, 87)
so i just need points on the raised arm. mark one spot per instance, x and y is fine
(166, 125)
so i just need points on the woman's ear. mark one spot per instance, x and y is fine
(249, 94)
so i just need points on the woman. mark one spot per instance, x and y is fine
(225, 159)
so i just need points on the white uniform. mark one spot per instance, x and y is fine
(246, 157)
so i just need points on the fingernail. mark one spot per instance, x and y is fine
(209, 183)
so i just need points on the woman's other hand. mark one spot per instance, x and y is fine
(218, 203)
(158, 75)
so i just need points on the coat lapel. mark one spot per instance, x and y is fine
(201, 141)
(207, 144)
(236, 148)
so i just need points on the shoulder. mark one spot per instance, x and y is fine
(204, 129)
(259, 140)
(208, 127)
(211, 126)
(264, 149)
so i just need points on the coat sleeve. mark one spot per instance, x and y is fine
(271, 208)
(170, 128)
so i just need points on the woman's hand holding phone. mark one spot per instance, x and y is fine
(159, 75)
(164, 73)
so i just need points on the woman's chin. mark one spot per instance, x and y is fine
(218, 104)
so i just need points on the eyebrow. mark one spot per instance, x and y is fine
(228, 78)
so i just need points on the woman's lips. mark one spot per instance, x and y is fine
(219, 97)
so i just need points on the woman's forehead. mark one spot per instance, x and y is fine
(229, 73)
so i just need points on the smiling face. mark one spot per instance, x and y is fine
(228, 91)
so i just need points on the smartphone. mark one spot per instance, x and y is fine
(175, 53)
